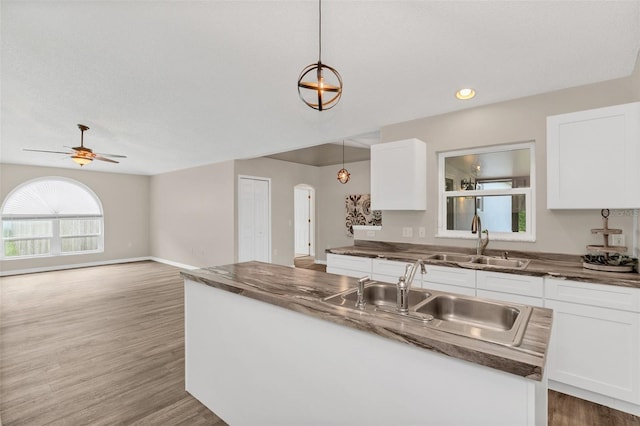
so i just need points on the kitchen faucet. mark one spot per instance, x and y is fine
(476, 227)
(404, 285)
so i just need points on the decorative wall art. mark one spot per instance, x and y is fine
(358, 212)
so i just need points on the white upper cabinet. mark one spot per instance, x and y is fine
(399, 175)
(593, 158)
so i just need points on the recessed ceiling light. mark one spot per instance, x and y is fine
(465, 94)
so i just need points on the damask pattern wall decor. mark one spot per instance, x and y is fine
(358, 209)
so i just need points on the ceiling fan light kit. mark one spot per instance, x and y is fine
(319, 85)
(82, 155)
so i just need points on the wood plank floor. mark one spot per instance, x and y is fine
(105, 346)
(95, 346)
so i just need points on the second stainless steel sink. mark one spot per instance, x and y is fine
(501, 262)
(495, 322)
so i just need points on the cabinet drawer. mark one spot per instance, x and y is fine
(508, 297)
(353, 263)
(454, 276)
(392, 268)
(602, 295)
(523, 285)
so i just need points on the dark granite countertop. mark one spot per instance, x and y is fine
(542, 264)
(303, 291)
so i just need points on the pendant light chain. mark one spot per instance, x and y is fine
(319, 31)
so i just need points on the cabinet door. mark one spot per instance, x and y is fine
(593, 157)
(596, 349)
(399, 175)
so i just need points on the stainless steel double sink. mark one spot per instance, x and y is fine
(470, 261)
(491, 321)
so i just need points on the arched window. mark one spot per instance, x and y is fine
(51, 216)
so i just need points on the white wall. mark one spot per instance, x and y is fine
(125, 201)
(192, 215)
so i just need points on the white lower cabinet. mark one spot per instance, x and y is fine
(452, 280)
(595, 342)
(514, 288)
(389, 271)
(352, 266)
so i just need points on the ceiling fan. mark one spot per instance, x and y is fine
(81, 154)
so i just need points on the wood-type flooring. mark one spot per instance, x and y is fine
(105, 346)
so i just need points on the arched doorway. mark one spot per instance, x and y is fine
(304, 218)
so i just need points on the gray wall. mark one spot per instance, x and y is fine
(506, 122)
(192, 215)
(284, 177)
(125, 201)
(331, 204)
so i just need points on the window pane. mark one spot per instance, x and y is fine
(71, 227)
(26, 228)
(466, 172)
(27, 247)
(498, 213)
(76, 244)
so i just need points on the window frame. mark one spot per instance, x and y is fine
(55, 245)
(529, 235)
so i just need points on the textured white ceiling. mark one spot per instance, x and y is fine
(175, 84)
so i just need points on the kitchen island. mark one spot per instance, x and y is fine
(262, 347)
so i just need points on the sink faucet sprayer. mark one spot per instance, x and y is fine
(476, 228)
(404, 285)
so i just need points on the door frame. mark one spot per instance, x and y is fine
(311, 191)
(262, 178)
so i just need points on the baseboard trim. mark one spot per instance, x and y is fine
(71, 266)
(172, 263)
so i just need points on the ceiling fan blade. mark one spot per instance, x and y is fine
(41, 150)
(111, 155)
(99, 157)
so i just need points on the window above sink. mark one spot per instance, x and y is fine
(497, 183)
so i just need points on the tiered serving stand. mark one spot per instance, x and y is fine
(606, 248)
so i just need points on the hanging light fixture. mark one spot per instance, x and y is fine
(325, 88)
(343, 174)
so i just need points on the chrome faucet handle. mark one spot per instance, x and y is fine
(360, 304)
(505, 255)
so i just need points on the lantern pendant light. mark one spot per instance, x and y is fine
(324, 88)
(343, 174)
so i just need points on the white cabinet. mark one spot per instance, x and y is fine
(510, 287)
(593, 157)
(595, 342)
(389, 271)
(451, 280)
(352, 266)
(399, 175)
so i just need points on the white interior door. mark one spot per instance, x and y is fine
(254, 223)
(302, 214)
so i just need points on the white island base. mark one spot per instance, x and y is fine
(253, 363)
